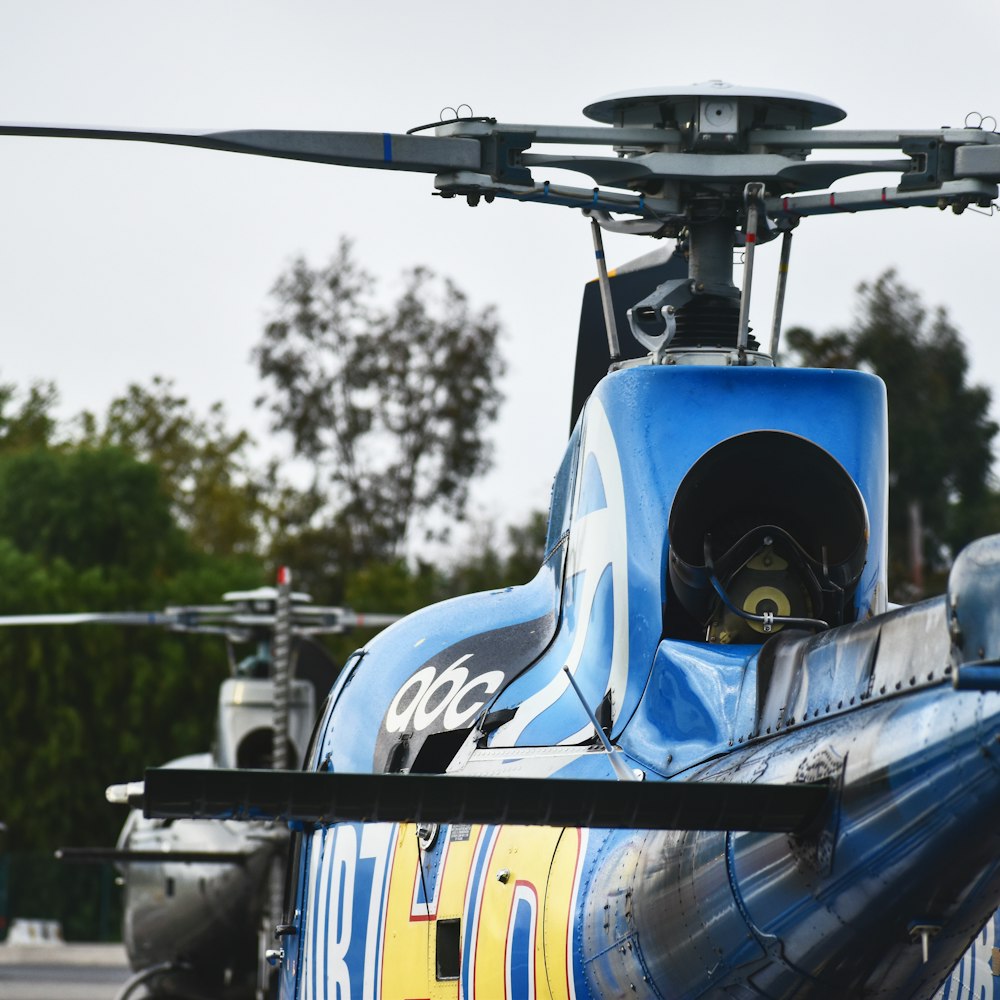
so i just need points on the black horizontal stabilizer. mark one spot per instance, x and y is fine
(100, 855)
(308, 797)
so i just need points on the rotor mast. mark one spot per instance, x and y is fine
(709, 123)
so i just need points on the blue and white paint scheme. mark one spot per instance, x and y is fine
(477, 686)
(597, 605)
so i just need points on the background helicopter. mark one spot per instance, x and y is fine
(711, 611)
(201, 898)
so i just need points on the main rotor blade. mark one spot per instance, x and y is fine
(311, 797)
(382, 150)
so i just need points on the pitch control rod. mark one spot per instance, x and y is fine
(617, 765)
(779, 291)
(753, 196)
(606, 301)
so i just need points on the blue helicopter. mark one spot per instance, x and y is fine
(699, 755)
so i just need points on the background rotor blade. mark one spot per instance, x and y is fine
(361, 619)
(216, 620)
(88, 617)
(382, 150)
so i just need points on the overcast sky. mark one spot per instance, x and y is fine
(119, 261)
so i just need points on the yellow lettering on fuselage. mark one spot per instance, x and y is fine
(512, 892)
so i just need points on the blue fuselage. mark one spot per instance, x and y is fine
(477, 685)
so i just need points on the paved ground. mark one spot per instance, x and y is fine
(62, 972)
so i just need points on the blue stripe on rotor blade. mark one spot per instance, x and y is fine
(387, 147)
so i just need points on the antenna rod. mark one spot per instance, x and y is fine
(779, 291)
(617, 765)
(753, 193)
(282, 673)
(606, 302)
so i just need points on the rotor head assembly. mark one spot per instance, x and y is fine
(713, 165)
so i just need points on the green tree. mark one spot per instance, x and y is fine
(89, 508)
(940, 432)
(27, 420)
(390, 406)
(526, 547)
(205, 468)
(88, 524)
(92, 528)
